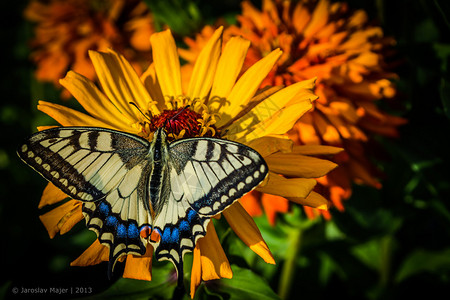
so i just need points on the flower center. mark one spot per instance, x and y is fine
(181, 123)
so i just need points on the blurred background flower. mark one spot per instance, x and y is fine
(348, 55)
(393, 241)
(64, 31)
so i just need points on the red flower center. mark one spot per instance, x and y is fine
(174, 121)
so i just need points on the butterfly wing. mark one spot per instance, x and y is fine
(107, 170)
(207, 176)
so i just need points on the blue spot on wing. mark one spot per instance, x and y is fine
(103, 209)
(121, 231)
(133, 231)
(111, 221)
(184, 226)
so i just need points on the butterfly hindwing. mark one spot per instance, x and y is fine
(207, 176)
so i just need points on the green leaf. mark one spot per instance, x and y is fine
(161, 287)
(444, 92)
(244, 285)
(423, 261)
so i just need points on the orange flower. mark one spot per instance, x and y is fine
(322, 39)
(66, 29)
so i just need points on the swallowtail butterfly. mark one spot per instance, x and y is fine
(128, 184)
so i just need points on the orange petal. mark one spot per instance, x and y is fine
(314, 200)
(95, 254)
(55, 219)
(51, 195)
(268, 145)
(196, 272)
(295, 165)
(288, 187)
(139, 267)
(272, 205)
(251, 203)
(214, 262)
(246, 229)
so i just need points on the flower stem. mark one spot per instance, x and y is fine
(288, 269)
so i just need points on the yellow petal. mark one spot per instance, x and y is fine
(167, 63)
(95, 254)
(51, 195)
(139, 267)
(268, 145)
(246, 86)
(314, 200)
(70, 117)
(299, 165)
(275, 115)
(228, 69)
(120, 82)
(205, 67)
(94, 101)
(150, 81)
(246, 229)
(55, 219)
(214, 262)
(288, 187)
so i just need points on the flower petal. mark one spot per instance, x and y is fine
(246, 229)
(316, 150)
(275, 115)
(205, 67)
(70, 117)
(51, 195)
(167, 63)
(139, 267)
(299, 165)
(228, 69)
(214, 262)
(314, 200)
(120, 82)
(246, 86)
(269, 144)
(150, 81)
(196, 272)
(272, 205)
(55, 219)
(95, 254)
(288, 187)
(94, 101)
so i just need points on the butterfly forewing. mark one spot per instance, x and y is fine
(84, 163)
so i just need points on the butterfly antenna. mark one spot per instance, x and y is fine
(134, 104)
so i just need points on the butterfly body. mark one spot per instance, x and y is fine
(128, 184)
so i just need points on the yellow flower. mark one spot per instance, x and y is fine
(322, 39)
(66, 29)
(221, 104)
